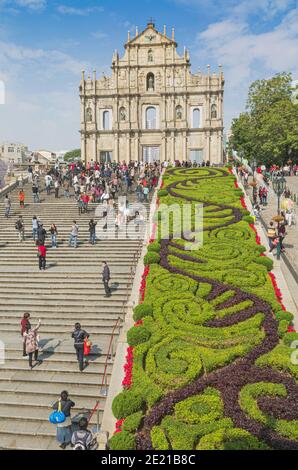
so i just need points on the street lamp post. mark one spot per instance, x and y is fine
(278, 184)
(254, 183)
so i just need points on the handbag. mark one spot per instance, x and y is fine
(57, 417)
(87, 347)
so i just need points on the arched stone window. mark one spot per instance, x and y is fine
(106, 120)
(150, 81)
(151, 117)
(178, 112)
(196, 118)
(213, 111)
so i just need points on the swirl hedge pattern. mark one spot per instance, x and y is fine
(212, 362)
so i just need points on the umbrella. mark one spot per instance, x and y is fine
(287, 204)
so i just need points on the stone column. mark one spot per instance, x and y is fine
(117, 147)
(184, 146)
(173, 147)
(127, 148)
(163, 148)
(137, 157)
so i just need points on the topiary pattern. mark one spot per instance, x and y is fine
(213, 369)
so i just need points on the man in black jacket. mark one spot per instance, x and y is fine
(79, 336)
(41, 235)
(106, 277)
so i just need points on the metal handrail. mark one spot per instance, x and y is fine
(109, 355)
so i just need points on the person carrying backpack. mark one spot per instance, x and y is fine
(83, 439)
(20, 227)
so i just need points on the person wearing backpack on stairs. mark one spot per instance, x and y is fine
(83, 439)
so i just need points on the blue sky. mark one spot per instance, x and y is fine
(44, 45)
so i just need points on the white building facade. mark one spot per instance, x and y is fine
(152, 108)
(13, 152)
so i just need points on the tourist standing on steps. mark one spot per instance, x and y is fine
(74, 235)
(79, 336)
(20, 227)
(25, 327)
(41, 235)
(56, 185)
(22, 199)
(31, 339)
(54, 233)
(42, 253)
(106, 278)
(35, 192)
(34, 227)
(92, 227)
(63, 432)
(7, 206)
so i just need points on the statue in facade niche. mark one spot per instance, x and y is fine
(88, 114)
(122, 114)
(151, 82)
(213, 111)
(178, 112)
(150, 55)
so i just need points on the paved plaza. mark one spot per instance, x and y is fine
(269, 211)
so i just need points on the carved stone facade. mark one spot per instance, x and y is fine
(152, 107)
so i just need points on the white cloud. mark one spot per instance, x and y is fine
(241, 9)
(34, 5)
(99, 35)
(247, 56)
(42, 102)
(65, 10)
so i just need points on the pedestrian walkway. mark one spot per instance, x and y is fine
(269, 211)
(70, 290)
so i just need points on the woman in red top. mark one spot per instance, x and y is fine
(22, 199)
(42, 253)
(25, 326)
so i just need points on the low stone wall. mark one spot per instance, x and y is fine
(10, 187)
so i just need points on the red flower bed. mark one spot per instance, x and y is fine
(243, 203)
(126, 382)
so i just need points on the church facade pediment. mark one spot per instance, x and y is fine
(152, 107)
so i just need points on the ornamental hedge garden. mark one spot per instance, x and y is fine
(209, 362)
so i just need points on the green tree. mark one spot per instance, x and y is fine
(268, 130)
(72, 154)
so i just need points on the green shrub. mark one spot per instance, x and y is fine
(154, 246)
(289, 338)
(151, 257)
(126, 403)
(284, 315)
(162, 192)
(141, 311)
(249, 219)
(158, 438)
(264, 261)
(279, 358)
(122, 441)
(230, 439)
(283, 327)
(137, 335)
(132, 422)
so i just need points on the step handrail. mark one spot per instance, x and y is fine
(104, 376)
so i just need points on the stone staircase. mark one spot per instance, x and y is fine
(69, 290)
